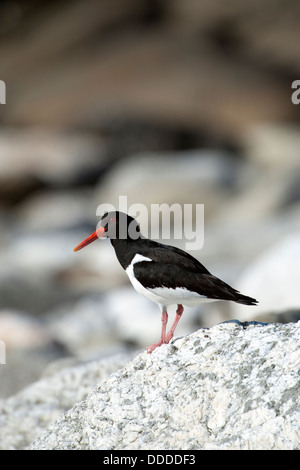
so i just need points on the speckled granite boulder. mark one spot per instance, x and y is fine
(228, 387)
(25, 415)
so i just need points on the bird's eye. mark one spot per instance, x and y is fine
(112, 219)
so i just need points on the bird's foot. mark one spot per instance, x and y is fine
(151, 348)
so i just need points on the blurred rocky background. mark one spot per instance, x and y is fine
(162, 101)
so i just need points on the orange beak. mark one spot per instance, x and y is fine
(98, 234)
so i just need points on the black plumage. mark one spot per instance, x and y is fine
(160, 271)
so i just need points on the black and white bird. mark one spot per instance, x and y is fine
(164, 274)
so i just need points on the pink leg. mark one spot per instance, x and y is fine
(164, 321)
(179, 312)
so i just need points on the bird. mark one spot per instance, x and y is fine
(165, 274)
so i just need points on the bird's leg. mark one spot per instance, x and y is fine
(179, 312)
(164, 321)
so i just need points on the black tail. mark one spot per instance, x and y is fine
(216, 289)
(244, 299)
(227, 292)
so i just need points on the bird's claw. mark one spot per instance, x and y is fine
(151, 348)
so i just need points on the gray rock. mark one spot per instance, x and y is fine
(25, 366)
(52, 157)
(25, 415)
(275, 147)
(228, 387)
(273, 279)
(28, 349)
(194, 176)
(54, 210)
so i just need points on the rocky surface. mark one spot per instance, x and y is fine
(25, 415)
(161, 102)
(228, 387)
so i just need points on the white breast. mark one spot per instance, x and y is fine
(129, 271)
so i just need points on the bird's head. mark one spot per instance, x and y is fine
(113, 225)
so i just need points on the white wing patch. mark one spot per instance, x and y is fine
(138, 258)
(129, 270)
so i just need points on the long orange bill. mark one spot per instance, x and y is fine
(98, 234)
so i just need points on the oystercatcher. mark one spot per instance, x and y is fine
(162, 273)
